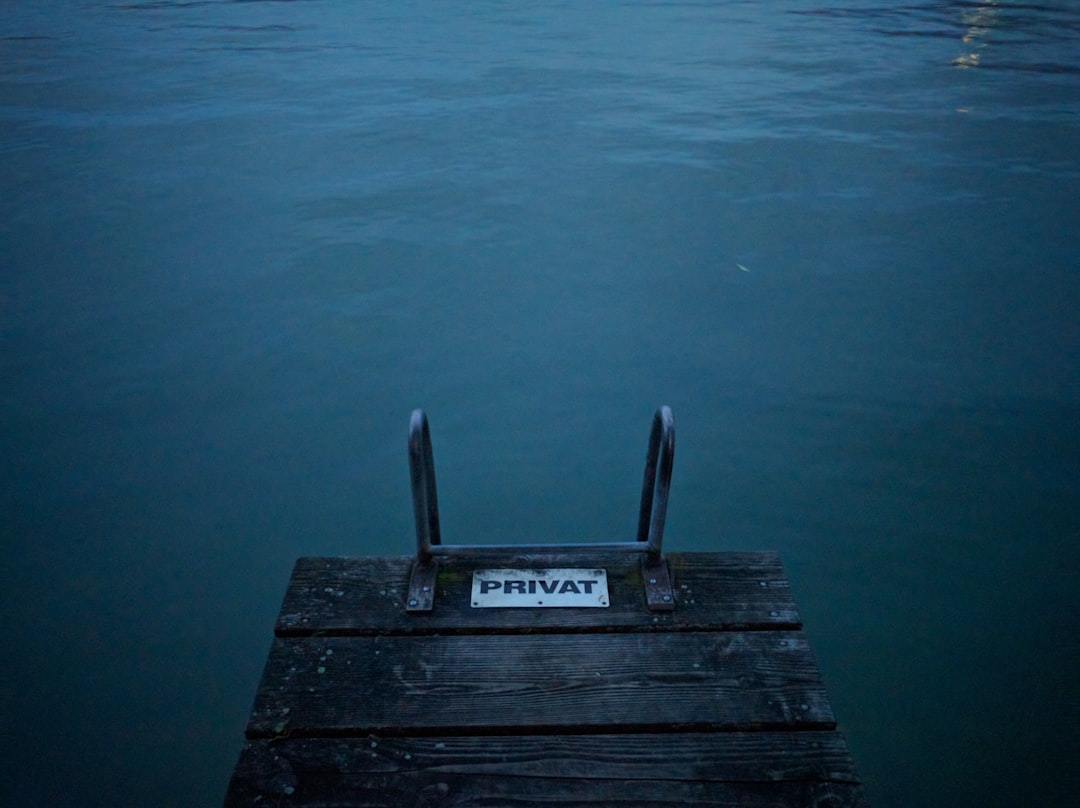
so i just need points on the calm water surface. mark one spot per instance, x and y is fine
(240, 241)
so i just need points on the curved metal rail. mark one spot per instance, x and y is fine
(655, 488)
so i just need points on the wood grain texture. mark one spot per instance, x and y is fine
(729, 769)
(552, 682)
(719, 702)
(364, 596)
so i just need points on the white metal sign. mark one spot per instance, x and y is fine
(542, 589)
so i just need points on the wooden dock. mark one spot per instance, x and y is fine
(504, 677)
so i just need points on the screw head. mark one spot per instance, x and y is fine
(413, 602)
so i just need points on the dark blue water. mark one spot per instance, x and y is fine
(240, 241)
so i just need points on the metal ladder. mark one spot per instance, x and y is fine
(650, 532)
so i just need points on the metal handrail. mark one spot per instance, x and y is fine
(657, 482)
(425, 500)
(654, 497)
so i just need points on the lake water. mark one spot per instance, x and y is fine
(241, 241)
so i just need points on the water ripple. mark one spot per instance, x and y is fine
(1021, 37)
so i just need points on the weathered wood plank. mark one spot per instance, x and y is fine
(709, 757)
(718, 703)
(713, 591)
(540, 683)
(747, 769)
(457, 791)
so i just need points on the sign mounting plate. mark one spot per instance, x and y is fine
(540, 589)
